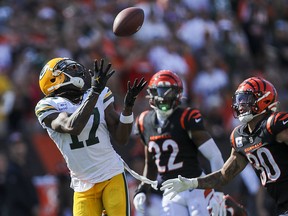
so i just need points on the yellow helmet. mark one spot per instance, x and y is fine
(56, 73)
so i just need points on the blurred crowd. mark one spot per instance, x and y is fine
(212, 44)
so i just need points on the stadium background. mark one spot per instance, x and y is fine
(211, 44)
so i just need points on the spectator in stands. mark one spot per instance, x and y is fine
(22, 198)
(3, 173)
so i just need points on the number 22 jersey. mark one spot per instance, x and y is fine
(171, 145)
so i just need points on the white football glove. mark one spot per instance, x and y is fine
(178, 185)
(139, 202)
(216, 205)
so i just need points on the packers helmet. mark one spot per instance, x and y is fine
(60, 72)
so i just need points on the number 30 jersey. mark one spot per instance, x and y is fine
(171, 145)
(90, 156)
(268, 157)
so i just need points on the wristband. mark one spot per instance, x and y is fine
(127, 119)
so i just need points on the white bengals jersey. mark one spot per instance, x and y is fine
(90, 156)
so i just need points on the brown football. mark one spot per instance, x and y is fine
(128, 21)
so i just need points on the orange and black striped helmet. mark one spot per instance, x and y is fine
(257, 95)
(165, 90)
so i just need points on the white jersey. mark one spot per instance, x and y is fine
(90, 156)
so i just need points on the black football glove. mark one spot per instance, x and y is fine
(133, 91)
(100, 76)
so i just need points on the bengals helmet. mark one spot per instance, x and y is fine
(254, 96)
(165, 90)
(60, 72)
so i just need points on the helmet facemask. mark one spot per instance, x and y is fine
(163, 100)
(77, 79)
(243, 105)
(73, 71)
(247, 105)
(165, 90)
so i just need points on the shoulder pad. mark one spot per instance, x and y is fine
(42, 106)
(189, 113)
(277, 122)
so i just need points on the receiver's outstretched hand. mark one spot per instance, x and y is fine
(133, 91)
(100, 76)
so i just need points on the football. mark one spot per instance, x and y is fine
(128, 21)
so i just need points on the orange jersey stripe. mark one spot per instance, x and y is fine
(141, 120)
(196, 113)
(207, 192)
(232, 138)
(276, 117)
(284, 117)
(269, 123)
(183, 117)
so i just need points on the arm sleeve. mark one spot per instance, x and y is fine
(210, 151)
